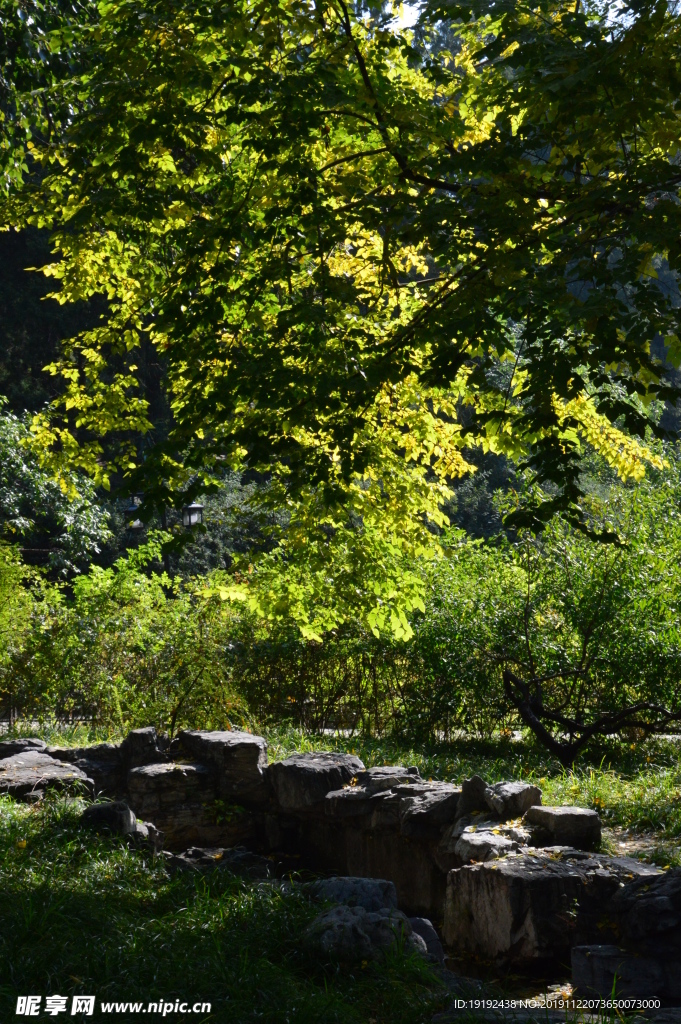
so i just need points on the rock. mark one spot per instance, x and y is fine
(534, 905)
(369, 893)
(303, 780)
(386, 777)
(423, 927)
(564, 826)
(102, 762)
(482, 845)
(141, 747)
(239, 759)
(648, 915)
(600, 971)
(109, 817)
(510, 800)
(147, 837)
(27, 775)
(351, 802)
(238, 860)
(354, 934)
(448, 854)
(424, 810)
(473, 796)
(8, 748)
(180, 799)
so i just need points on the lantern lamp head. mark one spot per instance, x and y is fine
(192, 515)
(130, 514)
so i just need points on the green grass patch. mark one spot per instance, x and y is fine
(85, 914)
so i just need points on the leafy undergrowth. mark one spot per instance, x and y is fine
(84, 914)
(633, 786)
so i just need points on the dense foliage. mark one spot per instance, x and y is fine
(559, 633)
(352, 256)
(64, 531)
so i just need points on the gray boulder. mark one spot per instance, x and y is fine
(141, 746)
(116, 817)
(351, 802)
(26, 776)
(180, 799)
(564, 826)
(535, 905)
(147, 837)
(425, 809)
(482, 845)
(8, 748)
(352, 933)
(239, 760)
(102, 762)
(370, 893)
(375, 780)
(510, 800)
(601, 970)
(113, 817)
(473, 796)
(424, 928)
(648, 915)
(303, 780)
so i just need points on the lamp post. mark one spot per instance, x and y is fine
(192, 515)
(131, 511)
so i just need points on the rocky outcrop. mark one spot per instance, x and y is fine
(601, 970)
(27, 775)
(645, 916)
(238, 860)
(181, 801)
(535, 905)
(8, 748)
(302, 781)
(216, 798)
(238, 759)
(102, 762)
(369, 893)
(564, 826)
(353, 934)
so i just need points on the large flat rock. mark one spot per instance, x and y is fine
(648, 915)
(102, 762)
(564, 826)
(535, 905)
(603, 970)
(8, 748)
(239, 760)
(303, 780)
(29, 774)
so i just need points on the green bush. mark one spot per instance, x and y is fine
(129, 647)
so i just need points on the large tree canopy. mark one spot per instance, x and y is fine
(355, 256)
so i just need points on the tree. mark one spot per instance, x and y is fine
(563, 635)
(355, 260)
(64, 531)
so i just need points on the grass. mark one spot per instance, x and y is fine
(85, 914)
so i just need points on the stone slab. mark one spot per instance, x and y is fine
(28, 774)
(534, 905)
(239, 760)
(303, 780)
(601, 970)
(369, 893)
(19, 746)
(578, 827)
